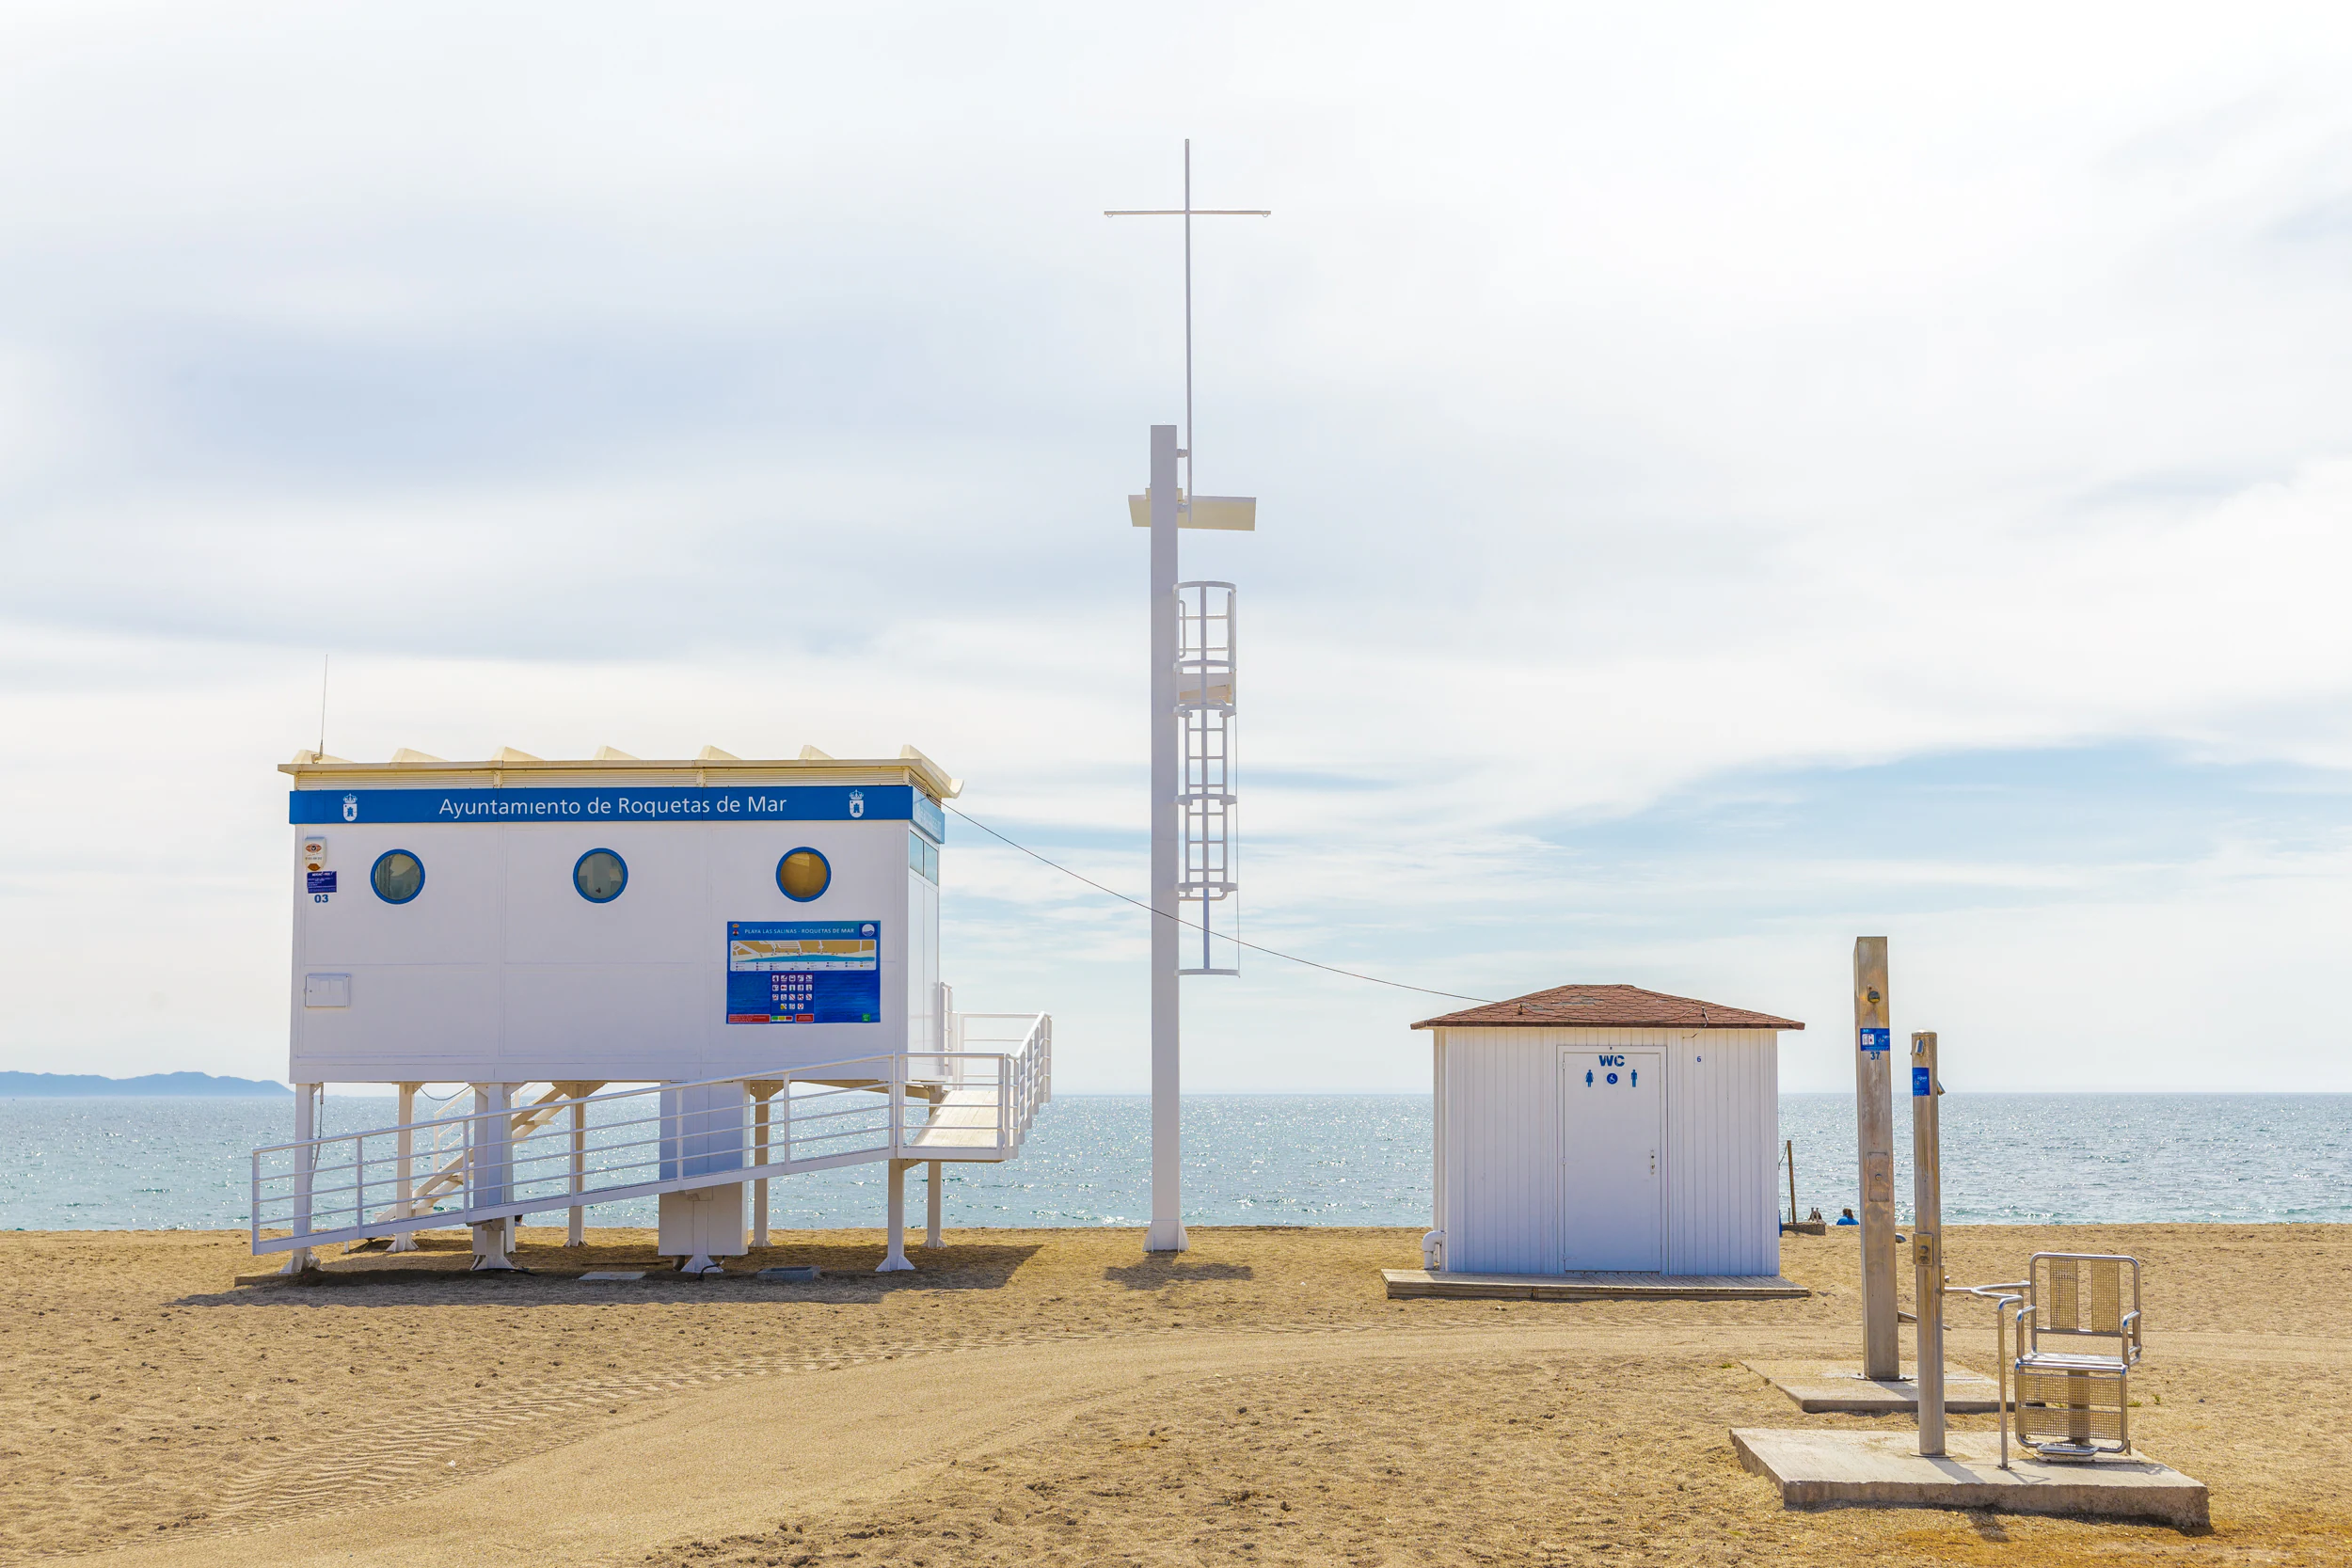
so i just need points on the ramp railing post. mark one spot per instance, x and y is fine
(898, 1104)
(931, 1205)
(1927, 1239)
(1874, 1136)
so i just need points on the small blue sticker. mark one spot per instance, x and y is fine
(321, 881)
(1877, 1039)
(1920, 1084)
(1588, 1077)
(1613, 1078)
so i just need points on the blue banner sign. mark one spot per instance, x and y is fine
(1919, 1082)
(797, 803)
(1877, 1039)
(803, 971)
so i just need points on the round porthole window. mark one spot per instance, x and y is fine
(397, 876)
(803, 875)
(600, 874)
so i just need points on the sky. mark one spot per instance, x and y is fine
(1730, 479)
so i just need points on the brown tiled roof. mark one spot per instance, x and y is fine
(1606, 1007)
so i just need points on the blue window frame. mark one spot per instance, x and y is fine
(397, 876)
(599, 876)
(803, 875)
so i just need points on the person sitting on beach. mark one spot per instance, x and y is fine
(1845, 1217)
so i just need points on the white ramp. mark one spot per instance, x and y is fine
(563, 1154)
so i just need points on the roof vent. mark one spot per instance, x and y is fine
(810, 753)
(407, 757)
(614, 753)
(508, 754)
(712, 753)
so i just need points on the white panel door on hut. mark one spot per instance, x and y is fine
(1612, 1128)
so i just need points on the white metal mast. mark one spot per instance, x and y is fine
(1191, 708)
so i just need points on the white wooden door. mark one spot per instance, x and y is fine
(1613, 1124)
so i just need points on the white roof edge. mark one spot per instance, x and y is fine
(951, 786)
(924, 774)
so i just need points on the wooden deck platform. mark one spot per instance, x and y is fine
(1407, 1284)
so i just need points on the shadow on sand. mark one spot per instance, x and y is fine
(437, 1271)
(1163, 1268)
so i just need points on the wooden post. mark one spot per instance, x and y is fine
(1792, 1181)
(1874, 1137)
(1927, 1239)
(931, 1197)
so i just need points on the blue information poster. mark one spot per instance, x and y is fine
(803, 971)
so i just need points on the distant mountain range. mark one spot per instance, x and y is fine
(54, 1086)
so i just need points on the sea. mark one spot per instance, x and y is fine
(2008, 1159)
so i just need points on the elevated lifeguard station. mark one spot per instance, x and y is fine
(754, 945)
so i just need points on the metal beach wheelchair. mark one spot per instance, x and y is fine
(2077, 1336)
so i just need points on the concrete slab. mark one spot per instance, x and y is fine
(600, 1277)
(1409, 1283)
(1819, 1469)
(1830, 1387)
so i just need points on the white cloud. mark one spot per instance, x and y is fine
(1635, 401)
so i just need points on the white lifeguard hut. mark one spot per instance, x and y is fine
(666, 979)
(1606, 1128)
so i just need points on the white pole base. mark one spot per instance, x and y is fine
(491, 1240)
(1167, 1236)
(405, 1242)
(493, 1262)
(895, 1261)
(702, 1263)
(298, 1260)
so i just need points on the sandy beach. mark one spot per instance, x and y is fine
(1057, 1397)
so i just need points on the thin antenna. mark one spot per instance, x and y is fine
(1192, 464)
(324, 659)
(1188, 212)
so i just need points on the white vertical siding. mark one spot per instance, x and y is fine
(1723, 1115)
(1499, 1194)
(1501, 1181)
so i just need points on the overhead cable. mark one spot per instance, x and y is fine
(1254, 947)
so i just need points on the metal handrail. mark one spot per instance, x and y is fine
(501, 1174)
(1998, 1295)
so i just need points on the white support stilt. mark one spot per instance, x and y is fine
(896, 1258)
(576, 1233)
(759, 1157)
(404, 1206)
(931, 1203)
(306, 1098)
(489, 1172)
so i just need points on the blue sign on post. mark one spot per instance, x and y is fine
(1877, 1039)
(1919, 1082)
